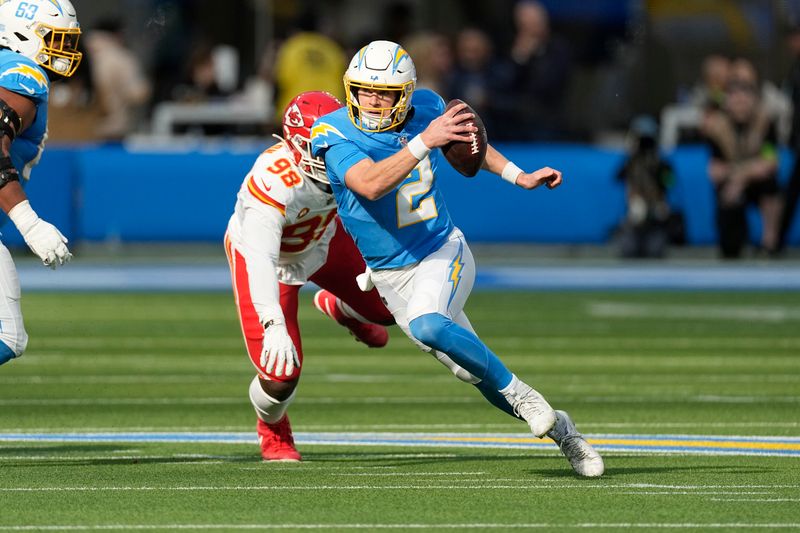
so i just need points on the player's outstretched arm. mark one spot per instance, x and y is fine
(497, 163)
(262, 229)
(16, 112)
(373, 180)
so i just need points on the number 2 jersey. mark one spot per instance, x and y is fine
(411, 221)
(281, 225)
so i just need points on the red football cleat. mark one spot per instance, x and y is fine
(276, 441)
(373, 335)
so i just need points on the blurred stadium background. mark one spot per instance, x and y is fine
(175, 98)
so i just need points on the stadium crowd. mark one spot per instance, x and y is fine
(537, 80)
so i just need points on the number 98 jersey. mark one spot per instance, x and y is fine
(293, 213)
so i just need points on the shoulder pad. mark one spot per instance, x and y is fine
(273, 178)
(23, 76)
(428, 98)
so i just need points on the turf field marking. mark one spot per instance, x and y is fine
(599, 525)
(696, 444)
(357, 427)
(170, 379)
(757, 313)
(395, 400)
(295, 487)
(764, 500)
(506, 341)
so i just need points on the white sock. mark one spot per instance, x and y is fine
(505, 391)
(268, 408)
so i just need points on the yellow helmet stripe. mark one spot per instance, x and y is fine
(57, 6)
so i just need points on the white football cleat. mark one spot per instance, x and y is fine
(584, 459)
(532, 407)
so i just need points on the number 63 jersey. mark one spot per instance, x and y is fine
(281, 213)
(408, 223)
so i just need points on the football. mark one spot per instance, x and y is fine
(467, 157)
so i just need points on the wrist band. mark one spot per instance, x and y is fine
(417, 148)
(511, 172)
(23, 216)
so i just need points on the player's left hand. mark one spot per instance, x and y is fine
(547, 176)
(48, 243)
(278, 353)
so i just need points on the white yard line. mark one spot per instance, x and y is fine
(243, 488)
(358, 427)
(748, 313)
(395, 400)
(375, 526)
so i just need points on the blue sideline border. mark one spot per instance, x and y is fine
(188, 277)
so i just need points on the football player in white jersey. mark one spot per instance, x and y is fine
(284, 232)
(38, 40)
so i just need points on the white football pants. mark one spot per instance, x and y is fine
(440, 283)
(12, 331)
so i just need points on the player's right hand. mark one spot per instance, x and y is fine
(278, 354)
(48, 243)
(449, 127)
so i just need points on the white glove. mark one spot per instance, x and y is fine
(42, 237)
(278, 351)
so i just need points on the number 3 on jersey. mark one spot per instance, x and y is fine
(407, 214)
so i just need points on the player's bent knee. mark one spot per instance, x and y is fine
(428, 329)
(12, 346)
(280, 390)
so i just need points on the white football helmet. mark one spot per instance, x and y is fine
(45, 31)
(385, 66)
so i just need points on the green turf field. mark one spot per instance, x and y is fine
(647, 364)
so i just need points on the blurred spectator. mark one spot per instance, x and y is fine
(119, 83)
(709, 93)
(398, 22)
(541, 65)
(433, 59)
(793, 187)
(645, 232)
(476, 78)
(307, 61)
(71, 114)
(773, 101)
(202, 83)
(744, 164)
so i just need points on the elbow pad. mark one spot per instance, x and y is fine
(8, 172)
(10, 121)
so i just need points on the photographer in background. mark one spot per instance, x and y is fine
(744, 165)
(647, 177)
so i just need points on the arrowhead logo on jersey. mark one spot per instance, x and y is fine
(29, 72)
(293, 117)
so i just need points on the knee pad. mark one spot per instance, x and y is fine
(12, 346)
(428, 328)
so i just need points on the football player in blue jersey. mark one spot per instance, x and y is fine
(38, 40)
(381, 152)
